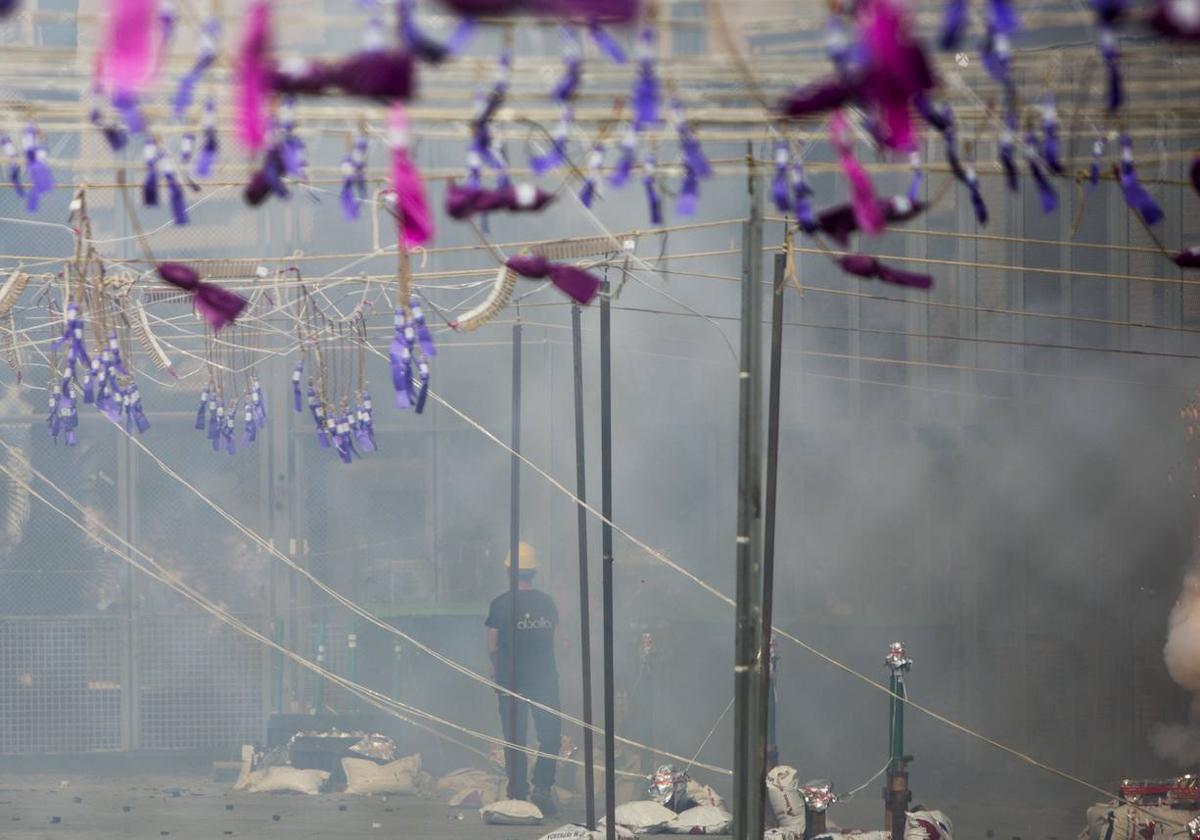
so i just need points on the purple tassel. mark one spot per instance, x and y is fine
(815, 98)
(918, 177)
(259, 404)
(187, 150)
(7, 7)
(977, 203)
(317, 410)
(365, 427)
(354, 179)
(646, 93)
(422, 387)
(217, 305)
(175, 193)
(1008, 160)
(268, 179)
(1045, 189)
(464, 202)
(291, 147)
(780, 186)
(9, 148)
(587, 194)
(997, 61)
(1135, 194)
(802, 199)
(558, 150)
(1189, 258)
(1094, 167)
(1176, 19)
(1003, 17)
(186, 91)
(606, 43)
(208, 145)
(400, 356)
(568, 85)
(1050, 135)
(249, 427)
(865, 266)
(648, 165)
(424, 47)
(837, 46)
(131, 115)
(424, 336)
(41, 181)
(134, 410)
(216, 423)
(114, 134)
(341, 439)
(954, 25)
(200, 412)
(628, 153)
(151, 156)
(574, 282)
(1106, 40)
(689, 193)
(297, 374)
(689, 146)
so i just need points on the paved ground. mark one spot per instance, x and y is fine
(69, 806)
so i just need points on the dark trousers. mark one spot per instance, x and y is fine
(549, 736)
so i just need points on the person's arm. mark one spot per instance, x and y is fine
(493, 649)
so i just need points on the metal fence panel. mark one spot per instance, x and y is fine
(200, 684)
(60, 685)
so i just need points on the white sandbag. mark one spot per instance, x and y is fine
(701, 794)
(286, 780)
(364, 776)
(927, 825)
(247, 767)
(511, 812)
(471, 788)
(783, 793)
(580, 832)
(783, 833)
(644, 816)
(703, 819)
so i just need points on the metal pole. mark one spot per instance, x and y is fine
(749, 762)
(768, 563)
(514, 530)
(606, 546)
(585, 625)
(896, 795)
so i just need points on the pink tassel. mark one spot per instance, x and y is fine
(253, 77)
(412, 210)
(898, 69)
(130, 52)
(862, 191)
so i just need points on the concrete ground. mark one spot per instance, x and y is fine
(63, 805)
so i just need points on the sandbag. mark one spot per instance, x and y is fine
(783, 833)
(471, 788)
(364, 776)
(580, 832)
(701, 794)
(511, 812)
(849, 834)
(783, 794)
(703, 819)
(286, 780)
(927, 825)
(644, 816)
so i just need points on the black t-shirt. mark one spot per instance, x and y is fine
(536, 619)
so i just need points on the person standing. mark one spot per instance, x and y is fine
(535, 676)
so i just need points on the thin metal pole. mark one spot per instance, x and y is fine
(514, 532)
(768, 562)
(606, 546)
(585, 621)
(749, 762)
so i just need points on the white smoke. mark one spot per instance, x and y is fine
(1174, 741)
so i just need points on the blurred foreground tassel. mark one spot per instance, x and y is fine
(218, 306)
(574, 282)
(412, 208)
(862, 265)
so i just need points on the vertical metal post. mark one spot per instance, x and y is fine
(606, 548)
(127, 518)
(318, 682)
(585, 622)
(514, 527)
(749, 763)
(277, 668)
(768, 563)
(896, 796)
